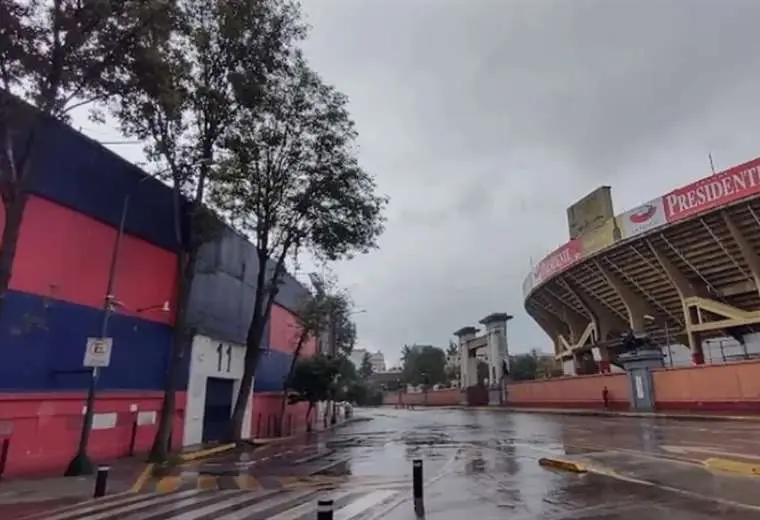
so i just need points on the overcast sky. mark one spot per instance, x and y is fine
(483, 120)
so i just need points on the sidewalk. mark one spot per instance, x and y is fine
(26, 496)
(713, 416)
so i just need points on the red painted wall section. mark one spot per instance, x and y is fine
(66, 255)
(44, 428)
(266, 413)
(283, 330)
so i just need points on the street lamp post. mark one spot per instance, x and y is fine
(81, 463)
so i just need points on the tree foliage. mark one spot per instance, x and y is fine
(423, 365)
(312, 378)
(365, 370)
(326, 306)
(291, 180)
(482, 372)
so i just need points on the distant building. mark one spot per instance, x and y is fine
(377, 359)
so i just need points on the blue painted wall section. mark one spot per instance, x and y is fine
(223, 293)
(44, 349)
(272, 370)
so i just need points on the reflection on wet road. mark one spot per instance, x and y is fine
(477, 464)
(485, 464)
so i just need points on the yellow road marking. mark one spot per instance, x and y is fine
(142, 478)
(193, 455)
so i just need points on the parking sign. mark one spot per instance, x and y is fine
(98, 352)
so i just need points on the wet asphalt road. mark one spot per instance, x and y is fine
(477, 464)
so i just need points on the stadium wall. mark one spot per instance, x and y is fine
(78, 190)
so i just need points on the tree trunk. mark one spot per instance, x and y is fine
(262, 308)
(293, 361)
(308, 416)
(14, 204)
(181, 339)
(185, 266)
(14, 197)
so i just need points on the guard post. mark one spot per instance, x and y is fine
(101, 481)
(419, 505)
(325, 509)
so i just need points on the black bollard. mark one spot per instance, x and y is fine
(419, 506)
(101, 479)
(325, 509)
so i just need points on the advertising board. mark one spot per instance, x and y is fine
(591, 212)
(642, 218)
(600, 237)
(716, 190)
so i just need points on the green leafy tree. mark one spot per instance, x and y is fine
(523, 367)
(312, 381)
(481, 371)
(326, 306)
(57, 55)
(365, 370)
(424, 365)
(293, 183)
(180, 95)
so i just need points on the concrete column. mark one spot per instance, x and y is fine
(498, 347)
(467, 374)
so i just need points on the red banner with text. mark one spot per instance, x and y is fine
(711, 192)
(559, 260)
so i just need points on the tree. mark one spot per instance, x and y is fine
(424, 365)
(55, 55)
(312, 381)
(453, 374)
(523, 367)
(293, 183)
(325, 307)
(365, 370)
(181, 95)
(482, 372)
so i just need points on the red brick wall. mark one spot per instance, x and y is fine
(573, 392)
(445, 397)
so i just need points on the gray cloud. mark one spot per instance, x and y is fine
(484, 119)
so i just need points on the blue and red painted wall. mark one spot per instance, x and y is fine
(56, 297)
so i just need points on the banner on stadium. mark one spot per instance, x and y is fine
(558, 260)
(711, 192)
(642, 218)
(602, 236)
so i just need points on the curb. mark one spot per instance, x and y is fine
(747, 469)
(604, 413)
(206, 452)
(566, 465)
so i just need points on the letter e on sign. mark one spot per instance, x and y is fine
(97, 353)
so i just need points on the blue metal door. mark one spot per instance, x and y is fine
(218, 408)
